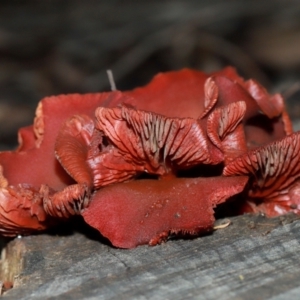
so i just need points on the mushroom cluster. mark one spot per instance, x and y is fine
(154, 162)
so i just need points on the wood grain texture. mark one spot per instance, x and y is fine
(242, 261)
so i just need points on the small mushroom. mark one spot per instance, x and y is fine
(226, 131)
(31, 176)
(274, 172)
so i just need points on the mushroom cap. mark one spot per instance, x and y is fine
(148, 211)
(36, 164)
(154, 141)
(274, 172)
(33, 165)
(176, 94)
(72, 147)
(192, 94)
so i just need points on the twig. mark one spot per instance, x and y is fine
(111, 80)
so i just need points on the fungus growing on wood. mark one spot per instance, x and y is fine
(139, 142)
(147, 134)
(152, 162)
(31, 176)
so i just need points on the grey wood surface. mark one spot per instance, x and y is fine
(253, 258)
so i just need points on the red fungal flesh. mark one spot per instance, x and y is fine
(72, 145)
(21, 211)
(173, 94)
(85, 152)
(151, 140)
(34, 164)
(38, 165)
(148, 211)
(275, 169)
(157, 142)
(225, 129)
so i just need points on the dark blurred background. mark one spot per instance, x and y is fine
(66, 46)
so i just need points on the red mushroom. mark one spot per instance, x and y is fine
(180, 121)
(274, 186)
(193, 94)
(162, 139)
(264, 122)
(130, 142)
(31, 174)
